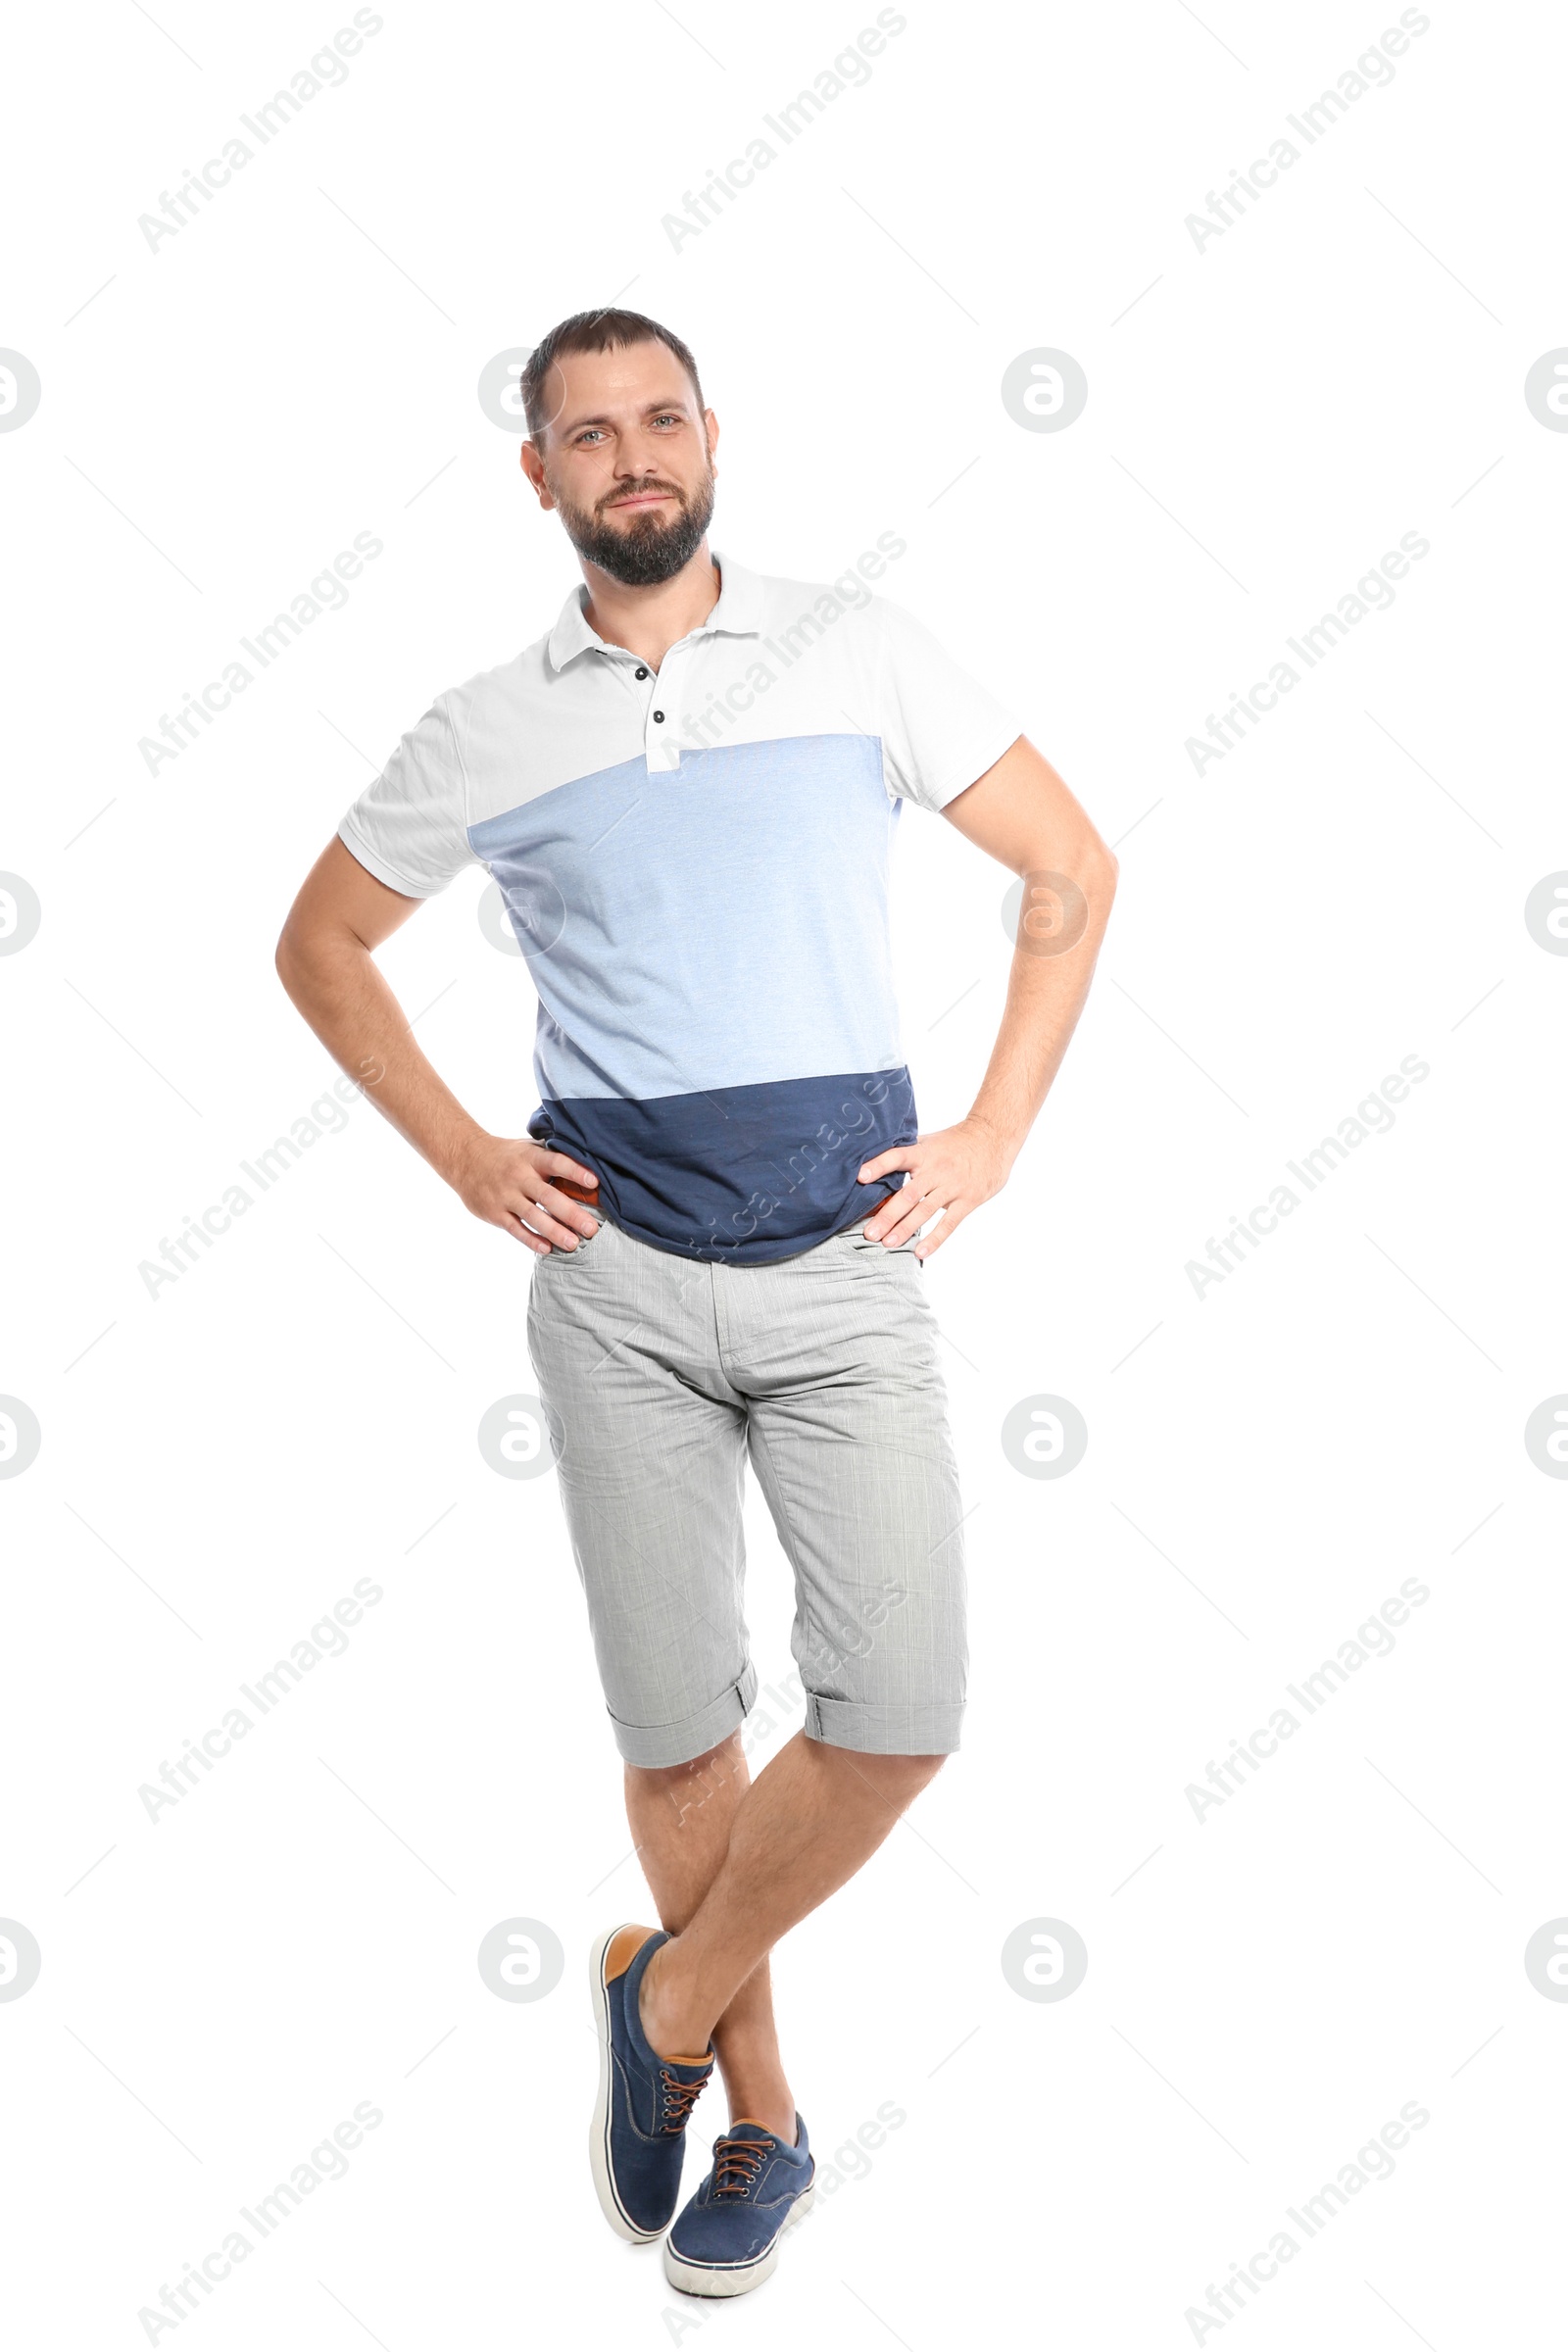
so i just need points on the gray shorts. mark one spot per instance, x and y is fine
(658, 1374)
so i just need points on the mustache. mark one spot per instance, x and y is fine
(644, 490)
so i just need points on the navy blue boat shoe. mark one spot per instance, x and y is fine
(638, 2139)
(726, 2239)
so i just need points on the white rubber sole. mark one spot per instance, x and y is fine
(598, 2130)
(698, 2279)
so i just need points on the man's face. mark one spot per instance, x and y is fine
(627, 460)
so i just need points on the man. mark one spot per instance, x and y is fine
(687, 793)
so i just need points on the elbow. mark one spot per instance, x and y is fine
(288, 960)
(1101, 871)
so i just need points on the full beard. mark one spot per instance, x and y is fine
(647, 551)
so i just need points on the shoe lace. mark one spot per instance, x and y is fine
(738, 2164)
(679, 2099)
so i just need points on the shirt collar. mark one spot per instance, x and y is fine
(737, 613)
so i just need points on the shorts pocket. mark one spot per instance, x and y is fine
(863, 1249)
(587, 1244)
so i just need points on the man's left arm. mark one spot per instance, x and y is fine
(1021, 813)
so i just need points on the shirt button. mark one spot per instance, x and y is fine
(659, 715)
(642, 673)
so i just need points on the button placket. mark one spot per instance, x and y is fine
(659, 748)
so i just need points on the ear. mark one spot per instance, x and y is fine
(533, 466)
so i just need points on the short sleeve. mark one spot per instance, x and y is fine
(410, 827)
(941, 729)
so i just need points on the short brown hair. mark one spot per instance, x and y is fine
(593, 330)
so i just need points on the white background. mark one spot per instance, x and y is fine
(1266, 1464)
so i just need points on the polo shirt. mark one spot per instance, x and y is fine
(695, 863)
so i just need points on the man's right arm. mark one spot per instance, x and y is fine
(326, 962)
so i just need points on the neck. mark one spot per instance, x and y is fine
(647, 621)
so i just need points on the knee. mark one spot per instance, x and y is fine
(916, 1771)
(898, 1780)
(719, 1760)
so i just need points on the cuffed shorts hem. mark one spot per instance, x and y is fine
(931, 1729)
(659, 1745)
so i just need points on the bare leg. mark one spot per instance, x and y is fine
(804, 1827)
(680, 1819)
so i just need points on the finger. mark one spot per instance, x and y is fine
(903, 1218)
(570, 1172)
(536, 1217)
(886, 1163)
(521, 1233)
(916, 1199)
(948, 1224)
(567, 1212)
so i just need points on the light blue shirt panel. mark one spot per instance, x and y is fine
(724, 924)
